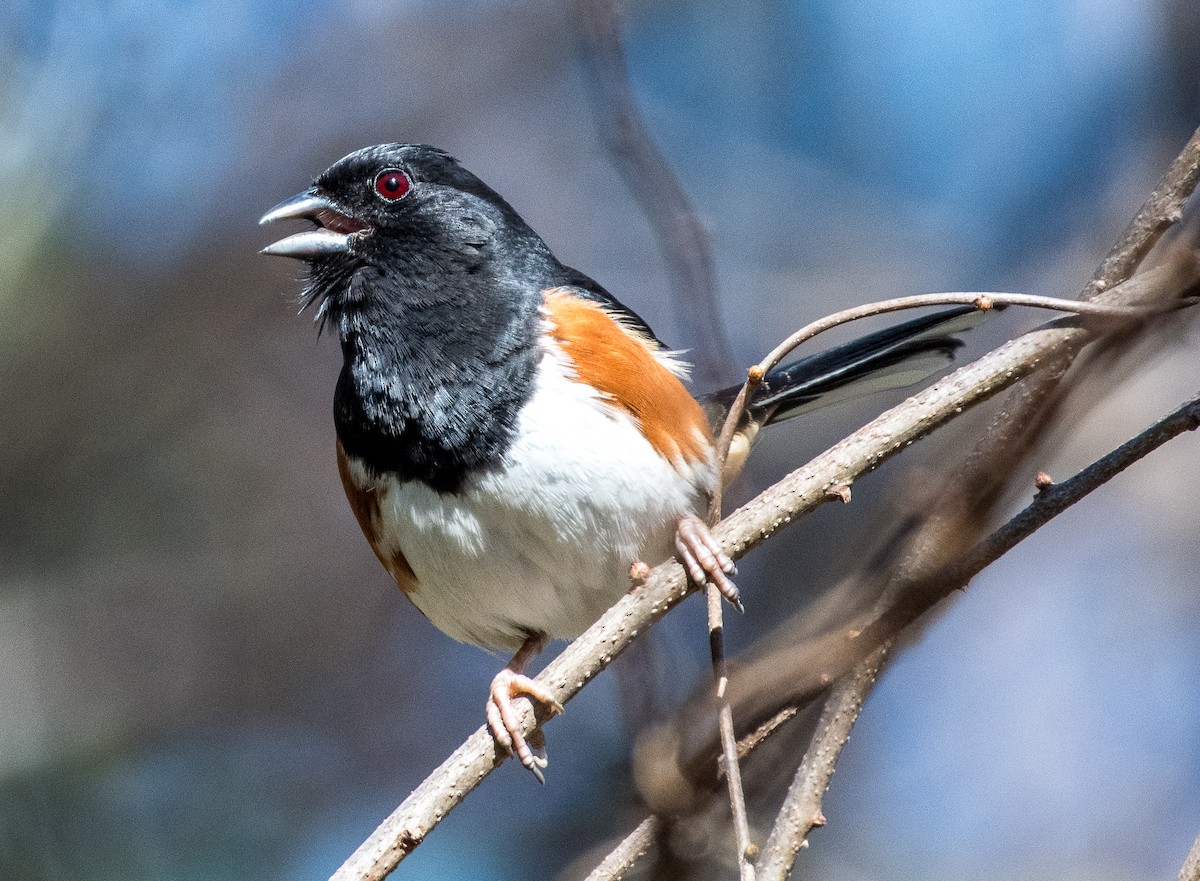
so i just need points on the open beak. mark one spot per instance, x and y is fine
(314, 243)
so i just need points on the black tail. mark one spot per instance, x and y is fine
(891, 358)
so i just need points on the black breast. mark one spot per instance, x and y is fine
(433, 393)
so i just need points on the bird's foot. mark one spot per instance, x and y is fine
(505, 724)
(704, 560)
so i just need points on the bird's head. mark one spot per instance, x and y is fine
(408, 221)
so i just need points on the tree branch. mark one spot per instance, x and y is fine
(979, 299)
(729, 746)
(1161, 210)
(625, 855)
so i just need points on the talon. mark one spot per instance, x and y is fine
(704, 559)
(495, 721)
(505, 723)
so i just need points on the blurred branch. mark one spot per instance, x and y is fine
(681, 235)
(797, 494)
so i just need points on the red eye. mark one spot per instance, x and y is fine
(392, 184)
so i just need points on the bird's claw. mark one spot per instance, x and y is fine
(704, 559)
(505, 724)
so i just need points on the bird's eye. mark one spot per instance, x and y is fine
(392, 184)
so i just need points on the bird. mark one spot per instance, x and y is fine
(510, 437)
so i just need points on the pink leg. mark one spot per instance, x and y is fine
(502, 718)
(704, 560)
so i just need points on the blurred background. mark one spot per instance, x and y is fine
(204, 673)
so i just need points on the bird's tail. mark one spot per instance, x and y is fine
(891, 358)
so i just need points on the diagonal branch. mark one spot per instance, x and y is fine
(625, 855)
(1162, 209)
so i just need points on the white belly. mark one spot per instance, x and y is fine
(544, 543)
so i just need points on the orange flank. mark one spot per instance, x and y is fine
(620, 362)
(364, 502)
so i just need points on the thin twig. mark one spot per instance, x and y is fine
(755, 738)
(801, 811)
(800, 492)
(634, 846)
(1054, 498)
(681, 235)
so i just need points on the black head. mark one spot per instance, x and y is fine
(411, 215)
(434, 285)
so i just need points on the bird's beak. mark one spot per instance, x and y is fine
(306, 245)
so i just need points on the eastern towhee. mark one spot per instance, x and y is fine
(510, 437)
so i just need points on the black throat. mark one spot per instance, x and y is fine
(433, 376)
